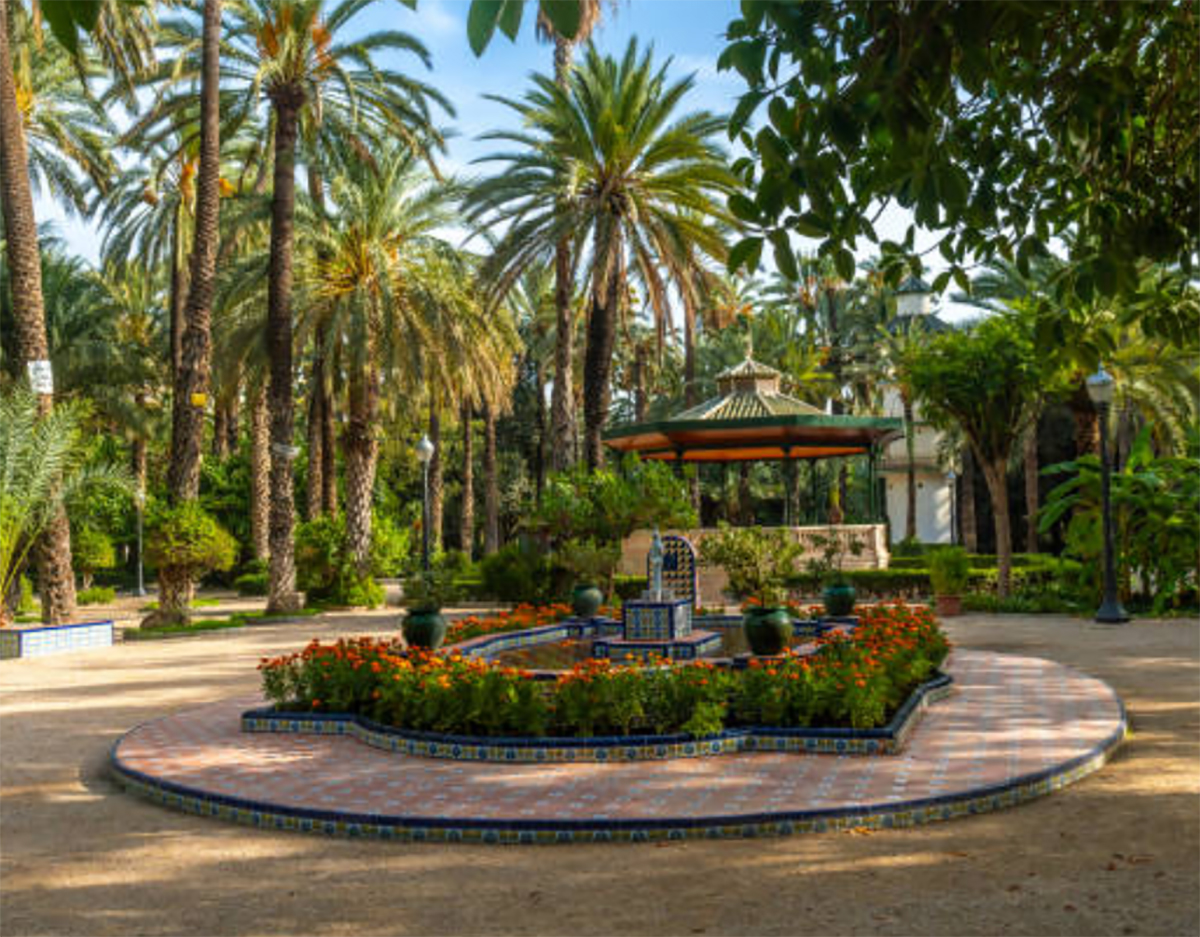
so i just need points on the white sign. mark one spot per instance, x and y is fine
(286, 452)
(41, 377)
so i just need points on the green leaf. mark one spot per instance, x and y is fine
(843, 260)
(785, 260)
(564, 15)
(810, 224)
(742, 208)
(481, 23)
(960, 277)
(510, 18)
(67, 17)
(746, 253)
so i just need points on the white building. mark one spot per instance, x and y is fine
(935, 489)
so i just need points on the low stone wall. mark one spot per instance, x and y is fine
(713, 580)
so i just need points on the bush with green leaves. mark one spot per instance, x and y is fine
(325, 568)
(517, 572)
(183, 544)
(758, 562)
(949, 569)
(1156, 523)
(91, 550)
(96, 595)
(391, 547)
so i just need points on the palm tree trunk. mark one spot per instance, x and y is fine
(55, 579)
(1029, 454)
(192, 379)
(562, 449)
(436, 480)
(910, 519)
(233, 416)
(329, 477)
(539, 451)
(315, 499)
(260, 475)
(491, 488)
(966, 513)
(602, 333)
(361, 451)
(282, 593)
(639, 384)
(996, 475)
(178, 293)
(220, 434)
(467, 528)
(689, 380)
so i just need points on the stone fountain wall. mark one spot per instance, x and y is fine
(873, 537)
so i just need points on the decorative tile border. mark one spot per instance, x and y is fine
(887, 740)
(782, 823)
(42, 640)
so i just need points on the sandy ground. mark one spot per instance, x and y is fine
(1118, 853)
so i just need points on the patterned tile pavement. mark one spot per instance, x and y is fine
(1014, 728)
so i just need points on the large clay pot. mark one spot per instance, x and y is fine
(839, 599)
(424, 627)
(586, 600)
(767, 630)
(949, 605)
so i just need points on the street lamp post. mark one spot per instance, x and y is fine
(1100, 390)
(140, 499)
(425, 454)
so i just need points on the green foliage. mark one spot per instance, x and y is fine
(391, 547)
(831, 556)
(949, 569)
(41, 469)
(517, 572)
(187, 540)
(909, 547)
(484, 16)
(1156, 523)
(325, 568)
(91, 549)
(429, 592)
(758, 562)
(607, 505)
(96, 595)
(225, 493)
(252, 583)
(1001, 126)
(589, 561)
(25, 603)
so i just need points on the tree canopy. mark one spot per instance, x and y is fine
(1002, 127)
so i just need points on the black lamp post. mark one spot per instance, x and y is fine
(1100, 390)
(425, 454)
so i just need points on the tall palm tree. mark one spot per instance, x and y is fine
(610, 163)
(296, 55)
(561, 398)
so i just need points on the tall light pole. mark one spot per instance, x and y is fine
(140, 499)
(425, 454)
(1100, 390)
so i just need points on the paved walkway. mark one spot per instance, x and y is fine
(1116, 854)
(1014, 726)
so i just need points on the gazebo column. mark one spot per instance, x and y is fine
(789, 488)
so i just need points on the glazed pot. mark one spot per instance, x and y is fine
(839, 599)
(424, 627)
(586, 600)
(949, 605)
(767, 630)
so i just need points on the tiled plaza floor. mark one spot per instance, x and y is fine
(1009, 718)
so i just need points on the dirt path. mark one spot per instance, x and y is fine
(1118, 853)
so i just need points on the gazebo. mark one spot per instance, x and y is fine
(752, 420)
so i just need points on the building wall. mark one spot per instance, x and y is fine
(933, 506)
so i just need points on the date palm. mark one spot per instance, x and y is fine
(610, 162)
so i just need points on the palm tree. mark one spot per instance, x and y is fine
(561, 398)
(609, 163)
(295, 54)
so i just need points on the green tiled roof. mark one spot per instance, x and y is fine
(748, 404)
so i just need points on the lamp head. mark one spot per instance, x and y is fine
(1100, 387)
(425, 450)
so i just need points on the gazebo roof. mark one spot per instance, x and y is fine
(751, 419)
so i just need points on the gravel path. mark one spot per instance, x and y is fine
(1118, 853)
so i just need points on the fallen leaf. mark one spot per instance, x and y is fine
(1139, 860)
(1068, 907)
(1014, 887)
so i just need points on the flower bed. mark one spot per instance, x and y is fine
(522, 617)
(857, 681)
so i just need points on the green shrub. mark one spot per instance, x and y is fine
(517, 572)
(325, 569)
(758, 562)
(391, 547)
(188, 540)
(630, 587)
(948, 570)
(26, 605)
(252, 583)
(91, 549)
(96, 595)
(909, 547)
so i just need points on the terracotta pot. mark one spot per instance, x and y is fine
(948, 605)
(767, 629)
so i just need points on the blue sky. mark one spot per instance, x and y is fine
(690, 32)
